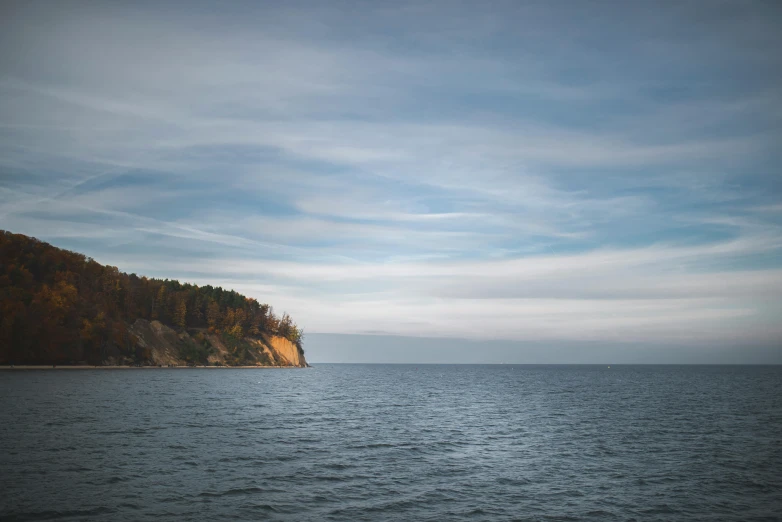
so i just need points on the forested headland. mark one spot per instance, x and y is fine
(62, 307)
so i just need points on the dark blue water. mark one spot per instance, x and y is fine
(364, 442)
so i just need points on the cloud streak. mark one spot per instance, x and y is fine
(425, 170)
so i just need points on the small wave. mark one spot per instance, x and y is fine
(599, 513)
(231, 492)
(373, 446)
(505, 481)
(224, 460)
(337, 465)
(663, 509)
(77, 469)
(57, 450)
(54, 515)
(264, 508)
(329, 478)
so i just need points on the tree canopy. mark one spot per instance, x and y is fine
(58, 306)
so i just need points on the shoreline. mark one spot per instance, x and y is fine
(86, 367)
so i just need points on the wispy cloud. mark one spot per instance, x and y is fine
(521, 171)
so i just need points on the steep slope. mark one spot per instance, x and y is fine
(61, 307)
(287, 352)
(164, 346)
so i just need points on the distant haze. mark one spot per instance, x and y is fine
(337, 348)
(419, 181)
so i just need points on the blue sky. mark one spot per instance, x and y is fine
(535, 174)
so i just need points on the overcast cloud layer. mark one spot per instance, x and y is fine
(556, 172)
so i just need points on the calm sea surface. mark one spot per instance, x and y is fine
(386, 442)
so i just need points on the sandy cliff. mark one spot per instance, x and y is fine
(287, 352)
(158, 344)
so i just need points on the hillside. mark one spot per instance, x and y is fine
(61, 307)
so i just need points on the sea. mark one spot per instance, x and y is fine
(393, 442)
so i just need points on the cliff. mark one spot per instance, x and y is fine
(61, 307)
(286, 352)
(160, 345)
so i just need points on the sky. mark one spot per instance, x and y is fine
(449, 181)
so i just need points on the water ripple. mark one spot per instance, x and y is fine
(363, 442)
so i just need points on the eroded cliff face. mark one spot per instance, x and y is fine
(286, 351)
(158, 344)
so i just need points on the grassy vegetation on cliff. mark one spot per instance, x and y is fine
(58, 306)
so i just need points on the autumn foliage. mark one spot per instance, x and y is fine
(59, 307)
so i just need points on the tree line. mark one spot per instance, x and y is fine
(58, 306)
